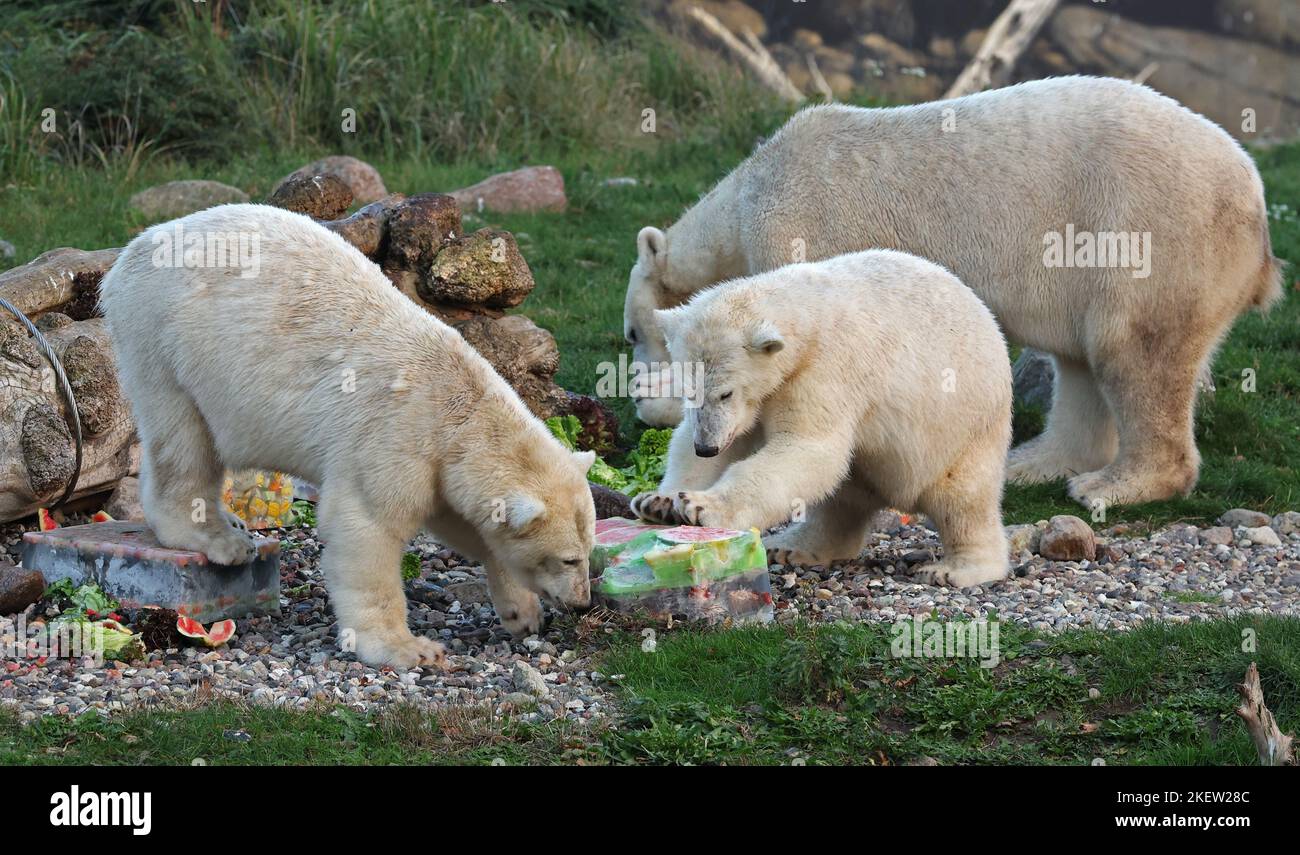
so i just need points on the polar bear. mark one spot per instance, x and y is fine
(832, 389)
(1100, 221)
(295, 353)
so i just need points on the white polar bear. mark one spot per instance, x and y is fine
(1100, 221)
(830, 390)
(299, 355)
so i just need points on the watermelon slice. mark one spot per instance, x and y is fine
(696, 534)
(101, 516)
(45, 519)
(221, 631)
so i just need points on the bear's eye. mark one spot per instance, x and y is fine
(724, 396)
(573, 562)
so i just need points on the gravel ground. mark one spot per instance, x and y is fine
(1177, 574)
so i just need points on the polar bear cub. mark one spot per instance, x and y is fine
(308, 360)
(825, 391)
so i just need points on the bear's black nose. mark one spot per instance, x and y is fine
(706, 450)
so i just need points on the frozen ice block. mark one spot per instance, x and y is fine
(708, 574)
(260, 499)
(126, 561)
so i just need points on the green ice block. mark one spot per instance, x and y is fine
(697, 572)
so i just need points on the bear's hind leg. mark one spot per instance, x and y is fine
(832, 530)
(1080, 435)
(965, 505)
(180, 482)
(361, 563)
(1152, 396)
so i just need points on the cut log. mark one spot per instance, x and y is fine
(1009, 37)
(55, 278)
(36, 446)
(1274, 747)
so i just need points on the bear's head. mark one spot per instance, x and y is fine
(729, 351)
(656, 402)
(546, 523)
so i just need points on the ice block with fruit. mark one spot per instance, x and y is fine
(691, 572)
(261, 499)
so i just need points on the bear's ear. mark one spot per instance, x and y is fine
(766, 338)
(651, 244)
(584, 459)
(521, 509)
(668, 321)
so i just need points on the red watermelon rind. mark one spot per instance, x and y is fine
(190, 628)
(695, 534)
(220, 632)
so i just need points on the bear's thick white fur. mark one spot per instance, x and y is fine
(980, 184)
(311, 362)
(829, 390)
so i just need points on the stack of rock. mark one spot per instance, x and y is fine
(469, 281)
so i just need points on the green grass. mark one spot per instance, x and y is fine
(779, 695)
(224, 733)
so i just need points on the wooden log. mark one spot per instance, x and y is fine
(55, 278)
(36, 446)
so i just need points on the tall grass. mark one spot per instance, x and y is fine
(447, 80)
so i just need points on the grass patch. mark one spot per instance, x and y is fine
(829, 695)
(224, 733)
(834, 694)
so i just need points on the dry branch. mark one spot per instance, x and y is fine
(1274, 747)
(1008, 38)
(752, 54)
(819, 79)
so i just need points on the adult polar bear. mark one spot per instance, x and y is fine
(990, 185)
(310, 361)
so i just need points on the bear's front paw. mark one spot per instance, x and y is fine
(961, 573)
(654, 508)
(691, 508)
(792, 555)
(412, 651)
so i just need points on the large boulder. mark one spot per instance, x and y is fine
(533, 188)
(322, 197)
(1274, 22)
(893, 19)
(1032, 377)
(178, 198)
(361, 178)
(482, 269)
(1218, 76)
(524, 354)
